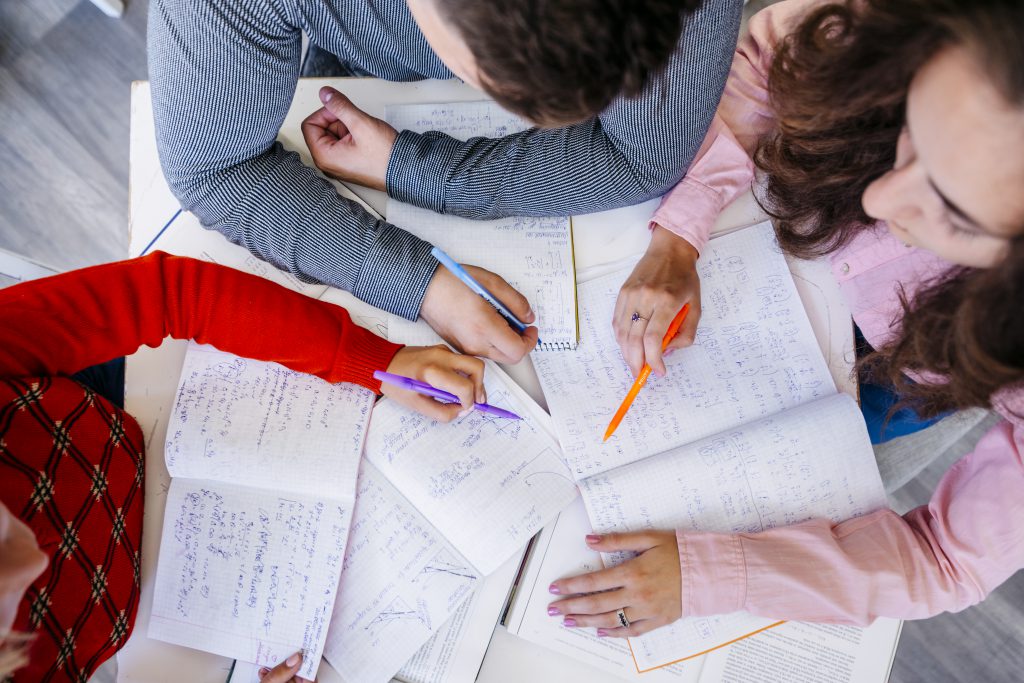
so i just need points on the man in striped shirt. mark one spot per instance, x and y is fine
(625, 90)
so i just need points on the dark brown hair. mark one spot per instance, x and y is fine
(558, 62)
(839, 86)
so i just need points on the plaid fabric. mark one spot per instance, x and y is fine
(71, 467)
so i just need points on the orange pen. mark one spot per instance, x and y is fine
(645, 372)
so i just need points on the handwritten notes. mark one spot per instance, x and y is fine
(401, 582)
(264, 463)
(754, 355)
(811, 462)
(487, 484)
(261, 424)
(534, 255)
(246, 573)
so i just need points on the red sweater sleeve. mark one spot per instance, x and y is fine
(63, 324)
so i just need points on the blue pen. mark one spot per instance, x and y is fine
(419, 387)
(458, 271)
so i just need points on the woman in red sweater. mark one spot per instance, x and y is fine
(71, 460)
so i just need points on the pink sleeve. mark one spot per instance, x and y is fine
(944, 556)
(722, 169)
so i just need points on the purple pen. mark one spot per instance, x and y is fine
(427, 390)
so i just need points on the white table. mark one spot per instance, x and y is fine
(152, 374)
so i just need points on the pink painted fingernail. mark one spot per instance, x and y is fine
(293, 660)
(601, 633)
(264, 671)
(553, 611)
(668, 353)
(569, 622)
(592, 539)
(554, 589)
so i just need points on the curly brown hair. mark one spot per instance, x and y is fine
(839, 87)
(558, 62)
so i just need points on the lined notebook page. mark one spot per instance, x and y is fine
(248, 574)
(488, 484)
(260, 424)
(534, 255)
(811, 462)
(755, 355)
(400, 583)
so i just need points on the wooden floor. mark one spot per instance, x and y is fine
(64, 108)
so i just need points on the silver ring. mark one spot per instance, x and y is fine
(636, 316)
(621, 614)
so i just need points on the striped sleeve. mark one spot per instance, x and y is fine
(223, 74)
(634, 151)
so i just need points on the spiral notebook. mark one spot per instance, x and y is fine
(534, 255)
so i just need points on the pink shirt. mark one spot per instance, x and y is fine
(944, 556)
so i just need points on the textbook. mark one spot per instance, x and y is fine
(534, 255)
(747, 432)
(438, 508)
(263, 462)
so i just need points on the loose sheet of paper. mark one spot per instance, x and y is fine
(260, 424)
(813, 461)
(248, 574)
(755, 354)
(488, 484)
(534, 255)
(401, 581)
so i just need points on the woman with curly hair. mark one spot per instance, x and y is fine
(891, 137)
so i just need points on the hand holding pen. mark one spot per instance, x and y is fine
(459, 376)
(467, 320)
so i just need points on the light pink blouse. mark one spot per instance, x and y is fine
(944, 556)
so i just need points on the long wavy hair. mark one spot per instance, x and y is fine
(839, 87)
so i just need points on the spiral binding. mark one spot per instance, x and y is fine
(557, 346)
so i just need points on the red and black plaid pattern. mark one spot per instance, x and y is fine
(71, 467)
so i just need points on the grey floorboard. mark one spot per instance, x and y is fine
(65, 71)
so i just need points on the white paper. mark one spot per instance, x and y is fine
(807, 653)
(400, 583)
(754, 355)
(246, 573)
(487, 483)
(811, 462)
(260, 424)
(534, 255)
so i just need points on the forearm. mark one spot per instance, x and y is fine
(634, 151)
(63, 324)
(222, 83)
(941, 557)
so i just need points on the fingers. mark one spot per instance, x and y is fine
(636, 628)
(507, 346)
(654, 335)
(633, 351)
(470, 366)
(505, 293)
(635, 541)
(342, 108)
(688, 331)
(605, 579)
(442, 376)
(283, 672)
(591, 604)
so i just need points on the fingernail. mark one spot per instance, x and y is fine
(554, 589)
(569, 622)
(668, 353)
(481, 397)
(264, 671)
(293, 660)
(592, 539)
(601, 633)
(326, 95)
(553, 611)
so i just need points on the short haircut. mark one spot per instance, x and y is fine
(558, 62)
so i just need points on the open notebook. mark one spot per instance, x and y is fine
(263, 463)
(746, 433)
(439, 506)
(534, 255)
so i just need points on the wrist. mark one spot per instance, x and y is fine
(665, 241)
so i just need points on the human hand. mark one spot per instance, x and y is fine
(284, 672)
(440, 367)
(471, 324)
(664, 279)
(647, 588)
(347, 143)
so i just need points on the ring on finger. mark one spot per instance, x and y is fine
(620, 614)
(636, 316)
